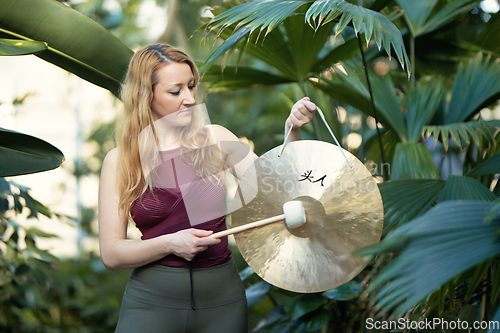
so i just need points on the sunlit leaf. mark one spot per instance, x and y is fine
(13, 47)
(75, 42)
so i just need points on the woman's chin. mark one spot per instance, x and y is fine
(183, 122)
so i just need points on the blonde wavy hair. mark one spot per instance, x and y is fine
(137, 119)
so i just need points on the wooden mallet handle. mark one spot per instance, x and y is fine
(248, 226)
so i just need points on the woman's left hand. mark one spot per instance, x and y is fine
(301, 114)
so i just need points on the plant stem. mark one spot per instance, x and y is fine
(384, 165)
(412, 55)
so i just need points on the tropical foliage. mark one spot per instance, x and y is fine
(440, 251)
(423, 281)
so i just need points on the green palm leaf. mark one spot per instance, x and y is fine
(75, 42)
(13, 47)
(232, 78)
(476, 86)
(471, 132)
(413, 161)
(258, 14)
(488, 38)
(268, 14)
(465, 188)
(351, 88)
(23, 154)
(434, 249)
(421, 104)
(417, 13)
(384, 31)
(405, 200)
(292, 50)
(489, 167)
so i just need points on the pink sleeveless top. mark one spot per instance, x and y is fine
(182, 200)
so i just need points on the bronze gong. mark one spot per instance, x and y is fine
(344, 212)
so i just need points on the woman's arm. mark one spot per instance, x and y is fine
(240, 157)
(119, 252)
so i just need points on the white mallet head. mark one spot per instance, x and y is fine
(295, 215)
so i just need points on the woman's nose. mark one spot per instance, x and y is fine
(189, 97)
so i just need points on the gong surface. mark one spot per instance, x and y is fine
(344, 212)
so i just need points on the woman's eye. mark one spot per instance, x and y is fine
(175, 92)
(191, 87)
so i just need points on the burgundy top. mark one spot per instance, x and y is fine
(182, 200)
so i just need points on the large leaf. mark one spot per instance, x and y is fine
(298, 306)
(417, 13)
(292, 50)
(488, 38)
(464, 133)
(305, 43)
(232, 78)
(465, 188)
(413, 161)
(351, 88)
(434, 249)
(476, 85)
(405, 200)
(256, 292)
(14, 47)
(345, 292)
(266, 15)
(421, 104)
(23, 154)
(75, 42)
(489, 167)
(384, 31)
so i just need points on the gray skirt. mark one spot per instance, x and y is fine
(162, 299)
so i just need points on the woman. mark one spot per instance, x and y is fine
(182, 281)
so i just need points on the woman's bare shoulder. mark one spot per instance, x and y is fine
(111, 159)
(221, 133)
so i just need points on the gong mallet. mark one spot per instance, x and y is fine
(294, 216)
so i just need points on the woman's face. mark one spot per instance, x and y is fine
(174, 94)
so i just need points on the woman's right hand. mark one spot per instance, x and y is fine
(188, 243)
